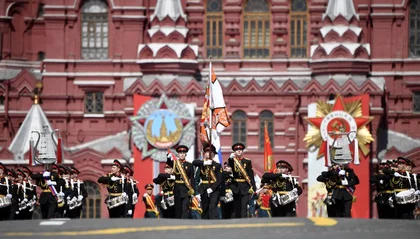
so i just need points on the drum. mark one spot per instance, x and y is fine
(289, 197)
(116, 201)
(406, 197)
(5, 201)
(229, 196)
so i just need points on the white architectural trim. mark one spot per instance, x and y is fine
(93, 74)
(94, 82)
(93, 115)
(393, 73)
(157, 61)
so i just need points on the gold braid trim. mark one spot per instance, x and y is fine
(242, 171)
(184, 176)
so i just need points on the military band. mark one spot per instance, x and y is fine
(204, 189)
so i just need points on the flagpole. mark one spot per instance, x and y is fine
(210, 103)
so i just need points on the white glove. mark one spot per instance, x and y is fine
(46, 174)
(344, 182)
(49, 182)
(25, 200)
(124, 194)
(209, 190)
(145, 195)
(9, 196)
(232, 155)
(80, 198)
(129, 212)
(61, 194)
(172, 177)
(74, 199)
(381, 181)
(199, 196)
(417, 192)
(294, 190)
(113, 178)
(169, 156)
(396, 174)
(208, 162)
(34, 197)
(134, 195)
(342, 172)
(68, 198)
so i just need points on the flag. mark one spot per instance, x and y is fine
(268, 152)
(60, 156)
(32, 161)
(215, 117)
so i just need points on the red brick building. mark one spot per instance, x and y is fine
(272, 57)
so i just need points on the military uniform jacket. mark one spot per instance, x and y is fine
(282, 184)
(329, 180)
(166, 185)
(345, 192)
(180, 186)
(398, 183)
(207, 180)
(382, 183)
(3, 189)
(46, 195)
(75, 189)
(239, 184)
(115, 188)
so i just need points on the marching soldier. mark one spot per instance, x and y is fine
(5, 194)
(211, 178)
(116, 184)
(149, 201)
(14, 208)
(227, 204)
(79, 193)
(243, 185)
(184, 181)
(29, 193)
(330, 182)
(48, 197)
(167, 182)
(346, 185)
(133, 191)
(283, 184)
(63, 186)
(401, 181)
(385, 192)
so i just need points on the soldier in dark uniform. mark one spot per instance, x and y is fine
(133, 191)
(4, 192)
(385, 191)
(64, 191)
(80, 193)
(117, 186)
(150, 203)
(330, 182)
(48, 197)
(227, 203)
(13, 189)
(184, 187)
(211, 178)
(282, 184)
(402, 181)
(166, 181)
(31, 194)
(346, 185)
(243, 186)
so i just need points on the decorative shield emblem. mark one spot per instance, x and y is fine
(161, 124)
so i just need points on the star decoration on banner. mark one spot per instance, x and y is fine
(348, 114)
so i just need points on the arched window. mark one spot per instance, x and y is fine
(92, 204)
(214, 28)
(256, 29)
(94, 30)
(414, 45)
(266, 118)
(41, 56)
(239, 127)
(298, 29)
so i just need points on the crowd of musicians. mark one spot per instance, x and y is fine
(205, 189)
(61, 196)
